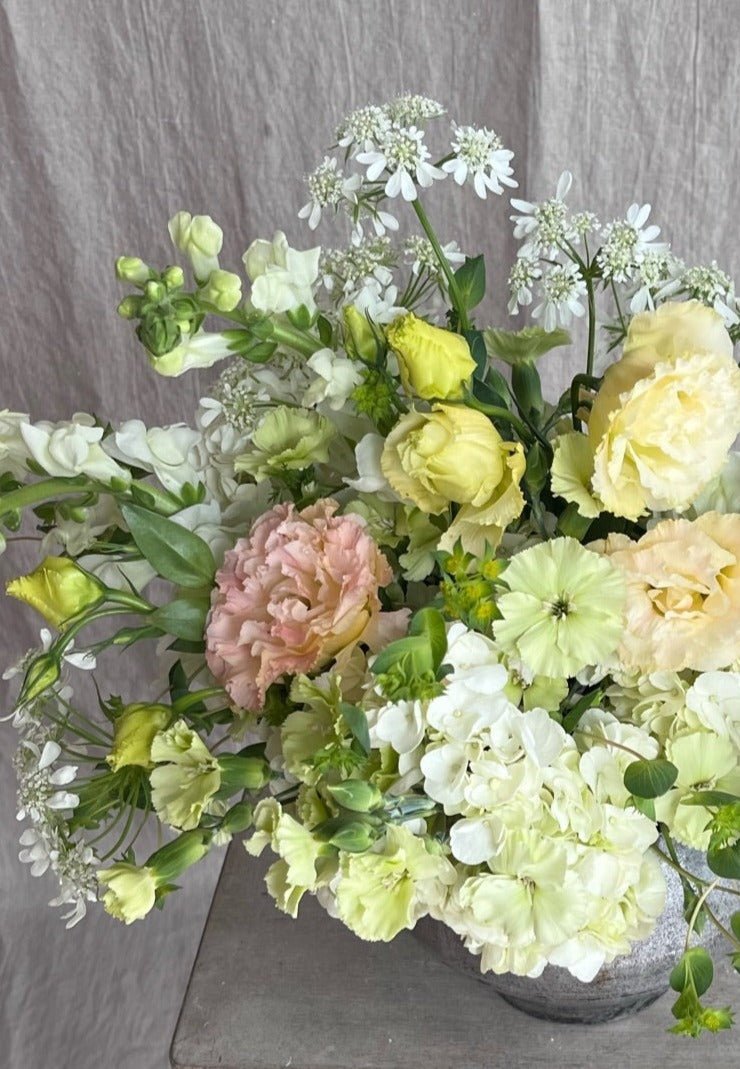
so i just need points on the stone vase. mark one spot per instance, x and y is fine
(625, 986)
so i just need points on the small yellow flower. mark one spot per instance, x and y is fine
(435, 364)
(58, 589)
(133, 734)
(452, 453)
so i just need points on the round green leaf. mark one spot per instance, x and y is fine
(650, 779)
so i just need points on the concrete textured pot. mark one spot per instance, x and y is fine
(625, 986)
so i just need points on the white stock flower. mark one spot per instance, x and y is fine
(402, 153)
(480, 156)
(161, 450)
(200, 239)
(336, 378)
(282, 278)
(13, 449)
(72, 447)
(371, 480)
(195, 351)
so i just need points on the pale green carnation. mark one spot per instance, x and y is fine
(131, 891)
(563, 609)
(287, 439)
(381, 893)
(186, 779)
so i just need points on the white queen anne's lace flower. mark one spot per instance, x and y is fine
(627, 242)
(562, 292)
(544, 225)
(328, 187)
(480, 156)
(362, 128)
(522, 278)
(401, 151)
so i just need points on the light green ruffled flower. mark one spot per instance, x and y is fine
(131, 890)
(287, 439)
(381, 893)
(187, 776)
(563, 609)
(223, 289)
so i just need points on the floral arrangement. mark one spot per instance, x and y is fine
(446, 647)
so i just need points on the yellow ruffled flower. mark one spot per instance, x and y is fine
(186, 777)
(481, 528)
(683, 594)
(435, 364)
(452, 453)
(133, 734)
(572, 471)
(131, 891)
(58, 589)
(667, 412)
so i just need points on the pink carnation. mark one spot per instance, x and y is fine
(302, 588)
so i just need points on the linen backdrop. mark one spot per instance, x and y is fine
(113, 115)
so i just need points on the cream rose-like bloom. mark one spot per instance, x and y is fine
(667, 412)
(450, 454)
(683, 594)
(434, 363)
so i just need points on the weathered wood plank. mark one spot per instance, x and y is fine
(271, 993)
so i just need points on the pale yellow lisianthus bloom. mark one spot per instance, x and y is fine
(58, 589)
(572, 471)
(667, 412)
(435, 364)
(133, 733)
(683, 594)
(131, 890)
(483, 527)
(455, 454)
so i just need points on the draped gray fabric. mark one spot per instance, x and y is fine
(115, 114)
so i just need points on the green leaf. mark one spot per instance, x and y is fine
(414, 648)
(174, 552)
(537, 468)
(529, 344)
(710, 798)
(572, 523)
(185, 617)
(694, 969)
(725, 861)
(586, 701)
(474, 338)
(178, 681)
(430, 623)
(650, 779)
(646, 806)
(527, 388)
(356, 721)
(735, 923)
(471, 281)
(182, 645)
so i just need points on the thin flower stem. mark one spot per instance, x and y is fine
(677, 867)
(720, 926)
(591, 325)
(697, 910)
(455, 294)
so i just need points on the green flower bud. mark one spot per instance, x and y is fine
(173, 278)
(359, 338)
(223, 289)
(41, 675)
(132, 269)
(238, 818)
(171, 860)
(58, 589)
(133, 734)
(200, 239)
(130, 307)
(356, 795)
(355, 837)
(243, 773)
(158, 333)
(155, 291)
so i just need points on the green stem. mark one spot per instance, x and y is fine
(499, 413)
(443, 263)
(591, 325)
(181, 705)
(35, 493)
(297, 339)
(129, 601)
(678, 867)
(697, 910)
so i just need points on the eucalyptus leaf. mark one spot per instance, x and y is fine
(724, 861)
(471, 281)
(694, 969)
(174, 552)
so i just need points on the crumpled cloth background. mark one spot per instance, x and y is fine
(115, 115)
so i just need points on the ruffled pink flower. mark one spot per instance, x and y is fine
(300, 590)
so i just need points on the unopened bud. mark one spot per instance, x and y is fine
(356, 795)
(130, 307)
(354, 837)
(132, 269)
(173, 278)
